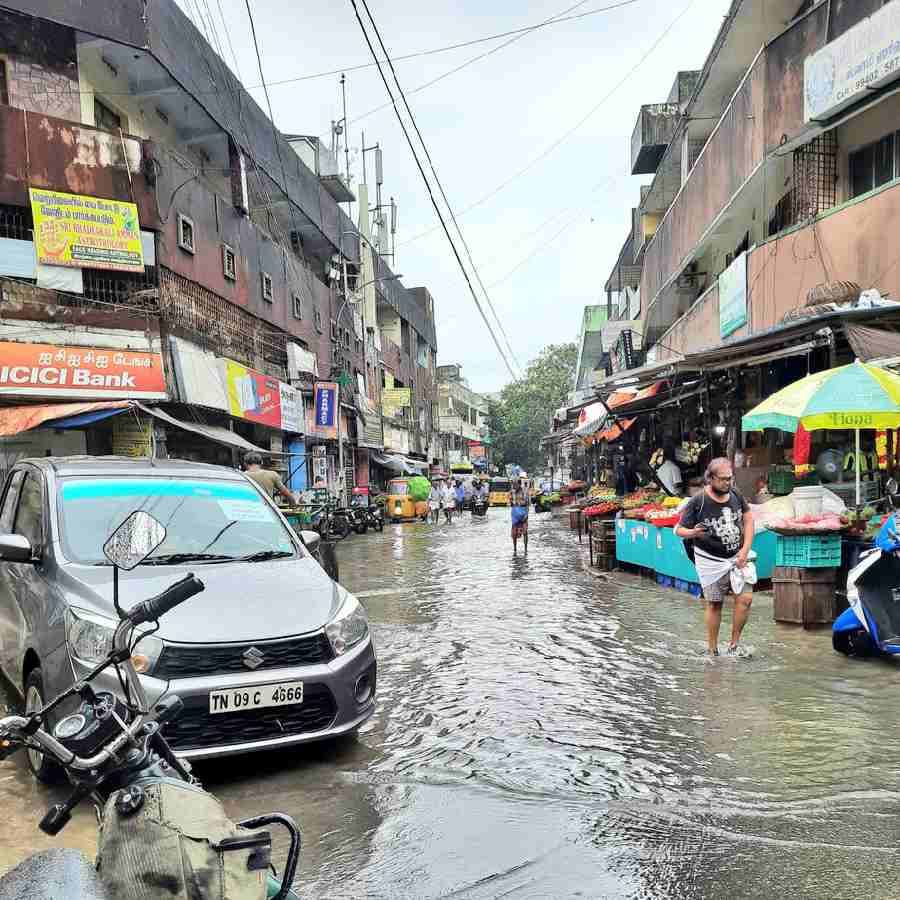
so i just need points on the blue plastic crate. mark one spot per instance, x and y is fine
(808, 551)
(695, 589)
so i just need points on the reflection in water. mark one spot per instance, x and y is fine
(544, 733)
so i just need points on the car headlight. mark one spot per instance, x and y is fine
(348, 627)
(90, 635)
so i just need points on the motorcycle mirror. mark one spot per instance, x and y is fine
(310, 540)
(134, 540)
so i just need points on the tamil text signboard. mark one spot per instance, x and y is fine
(862, 59)
(86, 232)
(733, 297)
(45, 370)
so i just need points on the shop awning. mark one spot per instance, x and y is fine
(403, 465)
(212, 432)
(591, 419)
(16, 419)
(614, 432)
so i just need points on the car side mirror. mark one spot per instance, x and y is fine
(15, 548)
(311, 540)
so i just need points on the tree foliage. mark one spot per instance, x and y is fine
(521, 415)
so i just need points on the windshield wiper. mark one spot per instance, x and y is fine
(169, 559)
(263, 555)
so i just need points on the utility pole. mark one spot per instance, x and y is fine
(346, 126)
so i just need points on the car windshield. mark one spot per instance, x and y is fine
(498, 485)
(399, 488)
(205, 520)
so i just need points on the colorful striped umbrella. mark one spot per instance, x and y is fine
(848, 398)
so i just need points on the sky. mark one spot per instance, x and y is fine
(545, 244)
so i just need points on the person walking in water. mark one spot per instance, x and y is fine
(459, 496)
(719, 523)
(434, 501)
(448, 501)
(518, 501)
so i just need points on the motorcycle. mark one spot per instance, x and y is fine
(359, 521)
(161, 834)
(374, 517)
(334, 522)
(479, 506)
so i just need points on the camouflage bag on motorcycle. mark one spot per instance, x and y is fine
(169, 838)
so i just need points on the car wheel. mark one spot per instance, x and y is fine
(42, 767)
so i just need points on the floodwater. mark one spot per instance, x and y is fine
(544, 732)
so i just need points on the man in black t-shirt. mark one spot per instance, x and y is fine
(720, 525)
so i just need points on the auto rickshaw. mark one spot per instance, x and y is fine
(498, 493)
(400, 505)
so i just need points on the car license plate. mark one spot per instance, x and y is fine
(282, 693)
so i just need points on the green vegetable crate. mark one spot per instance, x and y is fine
(808, 551)
(781, 481)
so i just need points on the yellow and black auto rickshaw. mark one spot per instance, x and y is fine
(400, 505)
(498, 494)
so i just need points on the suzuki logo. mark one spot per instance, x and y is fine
(253, 658)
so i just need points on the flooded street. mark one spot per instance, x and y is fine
(541, 732)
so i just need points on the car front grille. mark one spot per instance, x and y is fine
(192, 660)
(196, 728)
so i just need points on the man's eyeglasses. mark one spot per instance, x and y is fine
(724, 477)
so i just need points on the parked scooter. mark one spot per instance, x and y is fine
(161, 834)
(871, 625)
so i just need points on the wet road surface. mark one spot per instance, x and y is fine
(542, 732)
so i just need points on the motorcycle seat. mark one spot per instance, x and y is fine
(56, 874)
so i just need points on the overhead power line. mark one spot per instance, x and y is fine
(517, 36)
(418, 54)
(566, 135)
(431, 197)
(437, 179)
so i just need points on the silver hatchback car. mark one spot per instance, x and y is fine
(272, 653)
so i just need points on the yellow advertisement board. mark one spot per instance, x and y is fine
(86, 232)
(393, 399)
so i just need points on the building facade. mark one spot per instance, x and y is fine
(152, 214)
(775, 170)
(463, 417)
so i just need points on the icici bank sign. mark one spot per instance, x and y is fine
(44, 370)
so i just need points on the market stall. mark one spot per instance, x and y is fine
(817, 540)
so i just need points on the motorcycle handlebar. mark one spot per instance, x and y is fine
(156, 607)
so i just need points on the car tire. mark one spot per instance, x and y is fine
(42, 767)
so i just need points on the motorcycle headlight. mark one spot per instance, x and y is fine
(90, 635)
(348, 627)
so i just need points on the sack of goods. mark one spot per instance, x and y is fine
(519, 514)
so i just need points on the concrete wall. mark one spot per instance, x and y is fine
(732, 153)
(62, 155)
(42, 72)
(855, 242)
